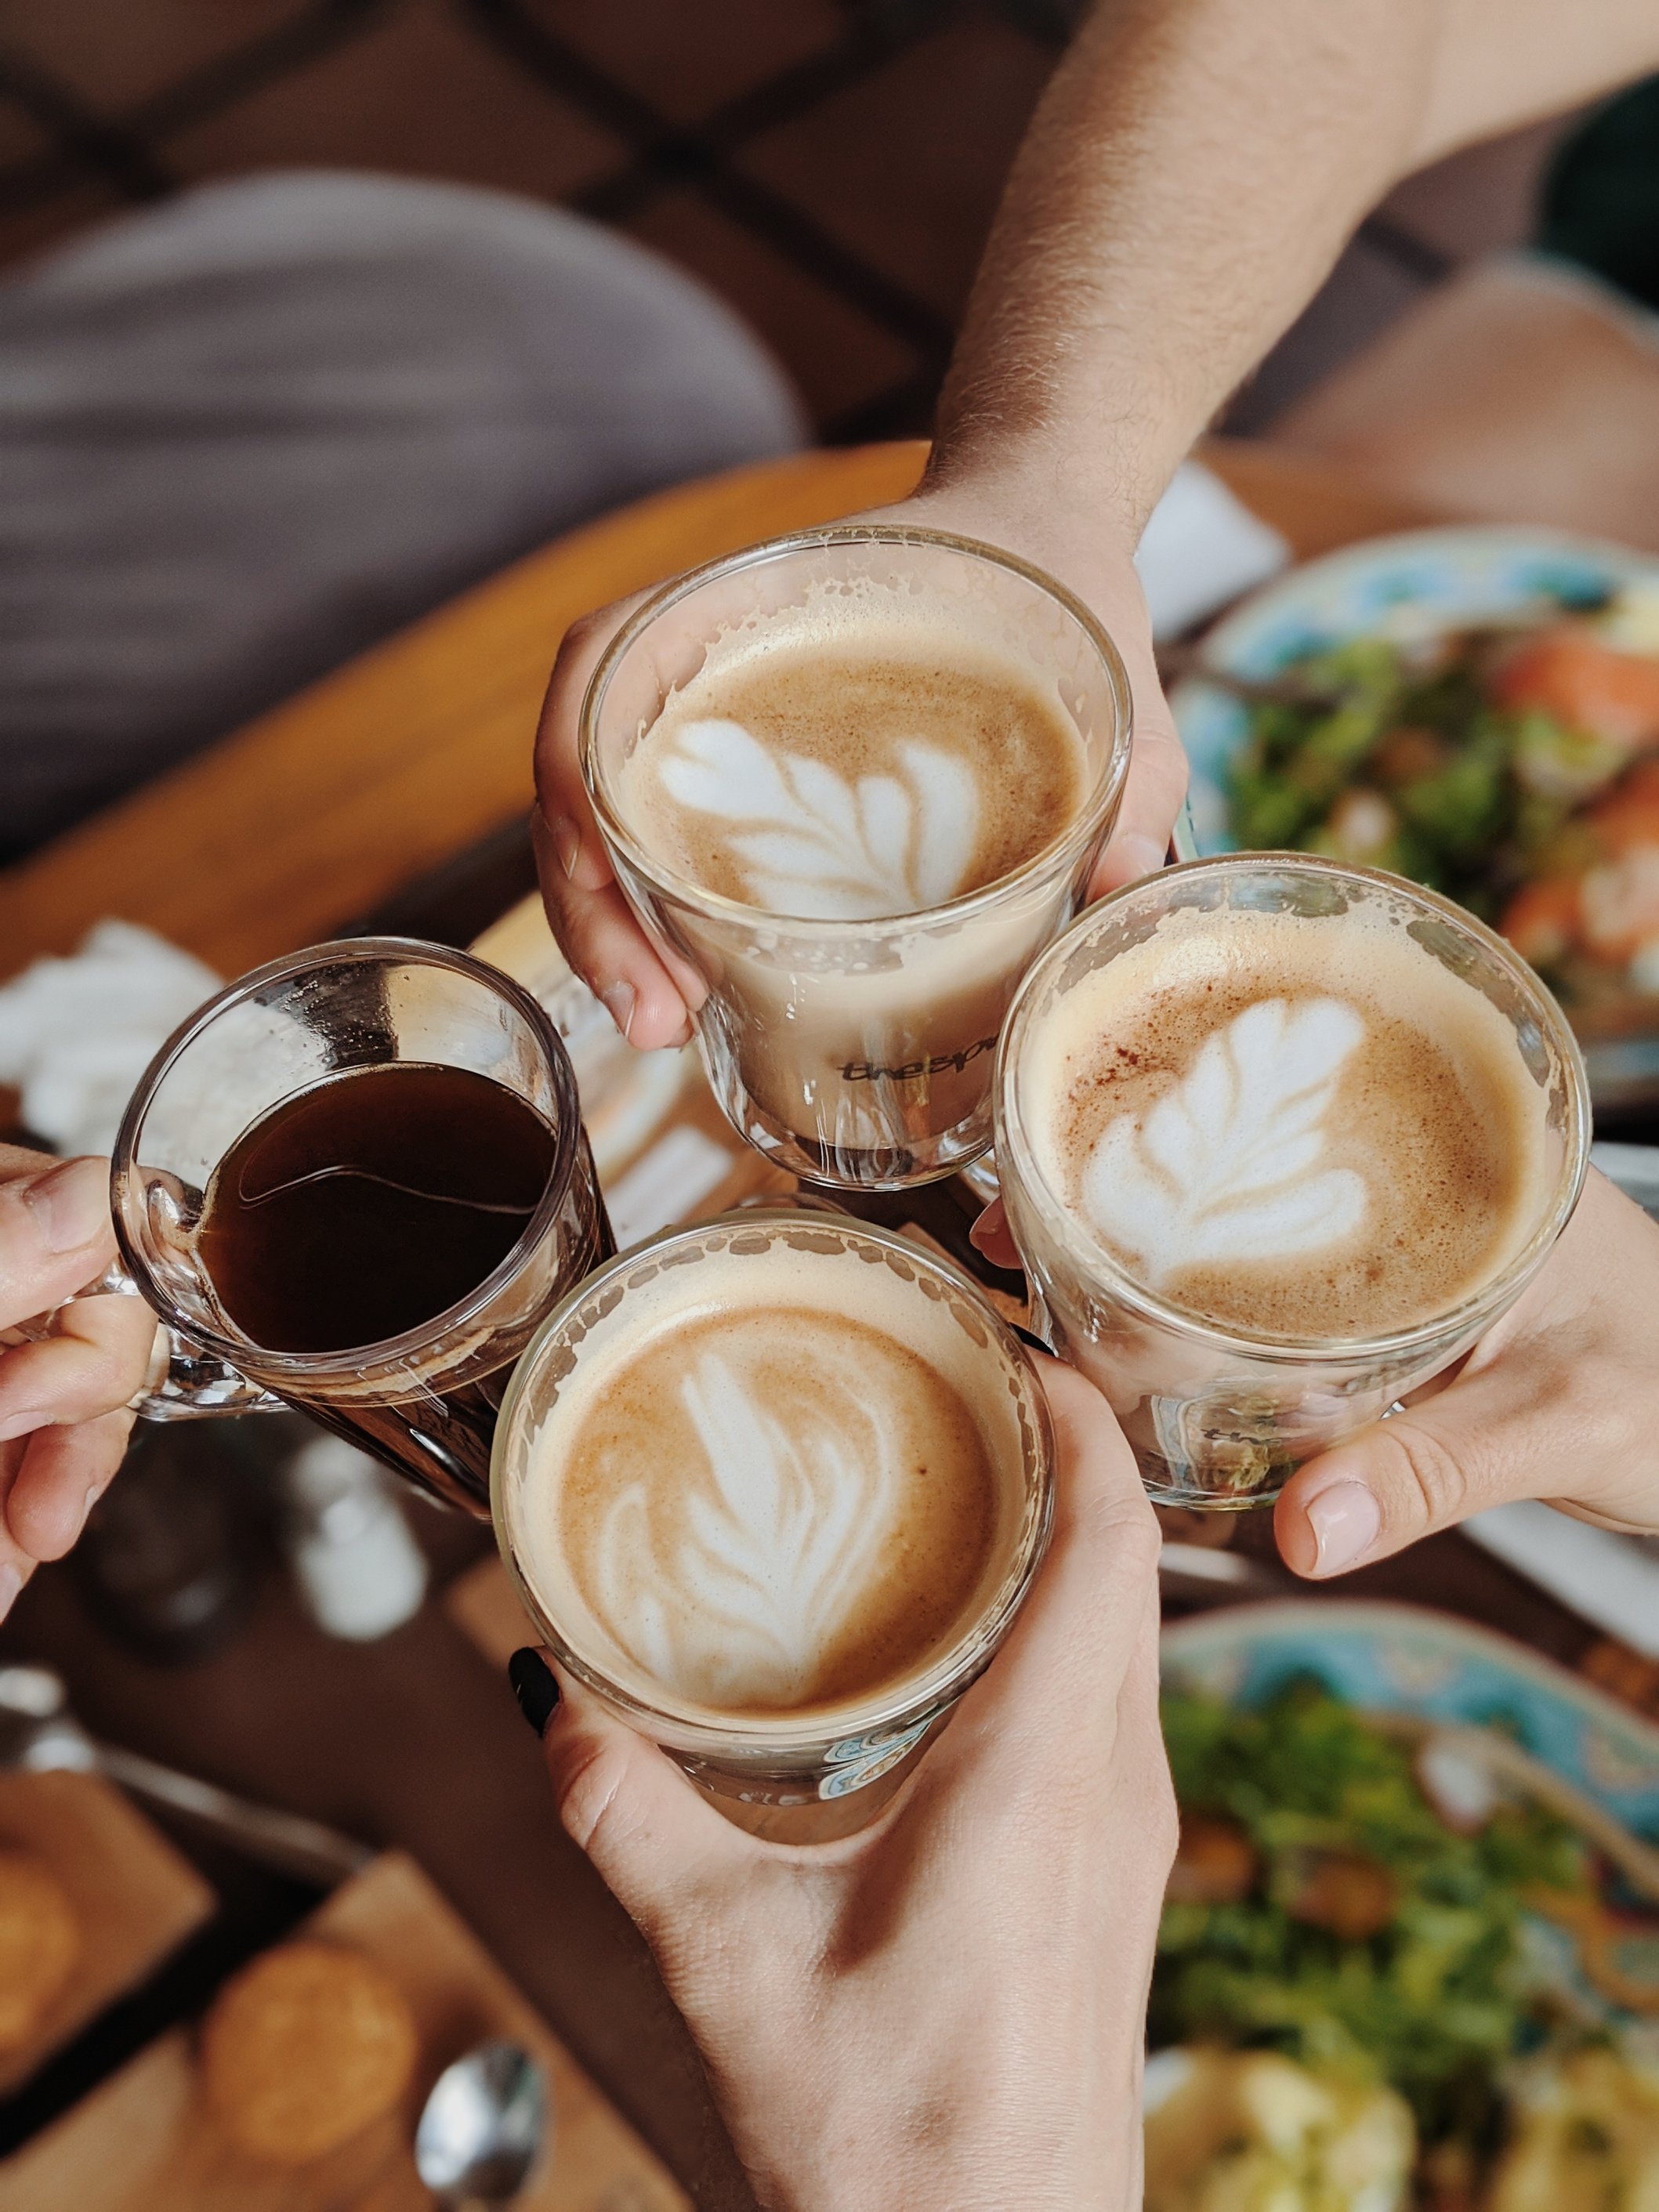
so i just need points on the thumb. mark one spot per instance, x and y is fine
(655, 1841)
(56, 1235)
(1509, 1430)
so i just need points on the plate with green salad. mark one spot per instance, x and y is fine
(1477, 708)
(1409, 1956)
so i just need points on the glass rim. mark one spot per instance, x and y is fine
(125, 1167)
(1015, 1154)
(1066, 848)
(756, 1734)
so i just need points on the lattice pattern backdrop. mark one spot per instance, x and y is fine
(829, 166)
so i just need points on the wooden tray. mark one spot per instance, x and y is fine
(146, 2141)
(137, 1899)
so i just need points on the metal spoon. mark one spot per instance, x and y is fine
(481, 2129)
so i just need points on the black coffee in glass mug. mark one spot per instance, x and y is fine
(355, 1182)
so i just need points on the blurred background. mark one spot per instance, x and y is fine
(304, 482)
(830, 168)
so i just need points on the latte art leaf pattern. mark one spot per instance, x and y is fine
(1225, 1166)
(812, 843)
(783, 1530)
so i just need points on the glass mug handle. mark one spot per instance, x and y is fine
(182, 1384)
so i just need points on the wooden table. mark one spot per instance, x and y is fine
(316, 813)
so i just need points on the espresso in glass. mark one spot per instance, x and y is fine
(353, 1182)
(361, 1209)
(857, 779)
(774, 1486)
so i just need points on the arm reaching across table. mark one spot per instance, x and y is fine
(1191, 172)
(946, 2010)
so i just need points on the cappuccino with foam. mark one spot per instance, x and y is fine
(855, 775)
(857, 783)
(776, 1485)
(1295, 1125)
(1278, 1140)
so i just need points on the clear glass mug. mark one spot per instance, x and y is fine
(424, 1402)
(859, 1054)
(1221, 1417)
(796, 1767)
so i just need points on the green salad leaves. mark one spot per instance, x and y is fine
(1322, 1908)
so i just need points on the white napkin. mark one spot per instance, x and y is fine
(76, 1034)
(1200, 548)
(1612, 1581)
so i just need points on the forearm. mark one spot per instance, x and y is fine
(1192, 174)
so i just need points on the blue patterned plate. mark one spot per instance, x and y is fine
(1403, 1660)
(1422, 582)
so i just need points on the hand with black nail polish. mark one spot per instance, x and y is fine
(534, 1685)
(946, 2011)
(63, 1418)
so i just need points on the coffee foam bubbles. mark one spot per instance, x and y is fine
(812, 842)
(862, 755)
(781, 1488)
(1303, 1125)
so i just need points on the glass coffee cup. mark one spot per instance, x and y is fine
(1248, 1171)
(858, 1052)
(774, 1489)
(491, 1075)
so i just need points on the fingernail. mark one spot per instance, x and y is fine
(533, 1686)
(1344, 1519)
(94, 1492)
(70, 1206)
(1139, 855)
(567, 843)
(618, 1003)
(11, 1583)
(22, 1425)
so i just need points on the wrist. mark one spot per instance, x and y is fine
(1024, 509)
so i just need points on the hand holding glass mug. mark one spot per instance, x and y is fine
(853, 781)
(1279, 1140)
(946, 2011)
(1559, 1400)
(773, 1489)
(63, 1396)
(352, 1182)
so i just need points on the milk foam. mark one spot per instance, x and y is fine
(812, 842)
(746, 1499)
(777, 1545)
(852, 758)
(1306, 1124)
(1225, 1165)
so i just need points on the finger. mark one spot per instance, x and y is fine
(560, 796)
(600, 938)
(1156, 781)
(1157, 784)
(64, 1473)
(56, 1235)
(96, 1361)
(605, 945)
(992, 1236)
(1139, 843)
(1057, 1682)
(16, 1563)
(596, 931)
(659, 1845)
(1513, 1430)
